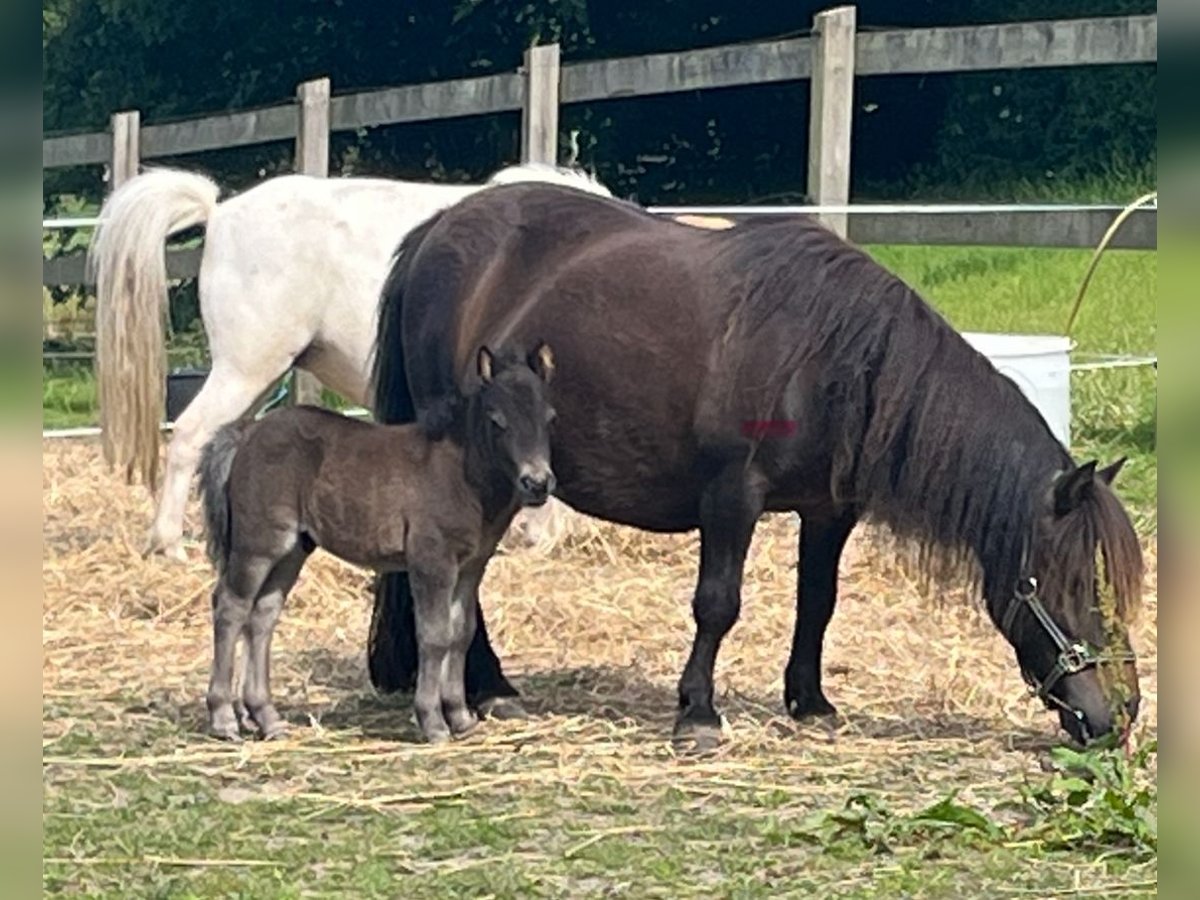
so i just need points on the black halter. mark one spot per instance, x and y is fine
(1073, 656)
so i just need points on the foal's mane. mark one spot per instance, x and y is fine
(929, 438)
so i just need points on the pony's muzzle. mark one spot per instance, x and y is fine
(1087, 713)
(535, 484)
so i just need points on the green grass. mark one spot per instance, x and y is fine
(1114, 412)
(68, 397)
(520, 820)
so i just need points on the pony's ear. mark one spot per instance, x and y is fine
(1072, 487)
(1108, 473)
(541, 360)
(484, 363)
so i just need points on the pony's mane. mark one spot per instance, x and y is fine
(930, 439)
(1099, 522)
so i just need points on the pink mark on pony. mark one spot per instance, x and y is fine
(769, 428)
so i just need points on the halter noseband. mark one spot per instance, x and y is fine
(1073, 656)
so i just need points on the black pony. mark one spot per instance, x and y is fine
(709, 376)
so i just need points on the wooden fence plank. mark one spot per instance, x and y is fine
(831, 110)
(126, 131)
(312, 158)
(76, 150)
(1074, 228)
(1017, 45)
(71, 268)
(539, 117)
(422, 102)
(664, 73)
(1077, 228)
(258, 126)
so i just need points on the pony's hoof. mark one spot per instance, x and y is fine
(815, 708)
(170, 551)
(503, 708)
(692, 737)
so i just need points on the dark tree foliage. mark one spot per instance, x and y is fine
(977, 135)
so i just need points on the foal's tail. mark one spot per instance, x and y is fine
(128, 258)
(216, 462)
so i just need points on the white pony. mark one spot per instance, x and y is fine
(290, 276)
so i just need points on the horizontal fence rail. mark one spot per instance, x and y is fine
(1000, 225)
(421, 102)
(1017, 45)
(1093, 41)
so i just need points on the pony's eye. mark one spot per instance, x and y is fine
(498, 419)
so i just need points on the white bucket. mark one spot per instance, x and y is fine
(1040, 364)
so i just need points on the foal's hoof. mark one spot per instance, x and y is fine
(243, 716)
(693, 737)
(276, 732)
(463, 723)
(227, 733)
(223, 722)
(502, 708)
(270, 725)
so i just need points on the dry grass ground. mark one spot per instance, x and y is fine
(587, 798)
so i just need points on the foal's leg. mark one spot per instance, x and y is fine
(821, 544)
(259, 630)
(228, 393)
(392, 658)
(729, 509)
(432, 590)
(462, 623)
(233, 600)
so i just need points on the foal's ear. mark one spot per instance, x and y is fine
(484, 364)
(1108, 473)
(1070, 488)
(541, 360)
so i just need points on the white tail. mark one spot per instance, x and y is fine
(128, 257)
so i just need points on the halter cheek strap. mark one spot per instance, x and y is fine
(1073, 656)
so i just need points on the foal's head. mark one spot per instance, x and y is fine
(1067, 618)
(509, 419)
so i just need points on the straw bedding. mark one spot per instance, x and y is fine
(595, 632)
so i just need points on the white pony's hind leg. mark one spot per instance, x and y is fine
(227, 395)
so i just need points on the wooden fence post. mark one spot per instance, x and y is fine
(126, 129)
(831, 112)
(312, 158)
(539, 117)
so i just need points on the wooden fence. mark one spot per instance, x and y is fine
(830, 59)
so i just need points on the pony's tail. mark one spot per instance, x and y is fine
(392, 645)
(216, 462)
(128, 259)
